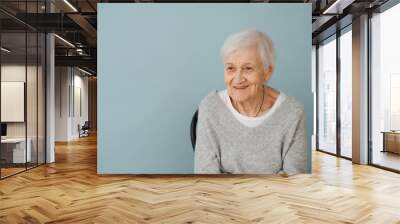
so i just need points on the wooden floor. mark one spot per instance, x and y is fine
(387, 159)
(5, 172)
(70, 191)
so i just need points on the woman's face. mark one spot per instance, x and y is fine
(245, 74)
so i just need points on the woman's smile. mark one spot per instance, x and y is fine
(240, 87)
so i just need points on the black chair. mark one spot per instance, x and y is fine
(84, 130)
(193, 129)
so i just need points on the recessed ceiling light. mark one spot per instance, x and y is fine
(70, 5)
(5, 50)
(337, 7)
(64, 40)
(84, 71)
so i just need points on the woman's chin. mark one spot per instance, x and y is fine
(239, 97)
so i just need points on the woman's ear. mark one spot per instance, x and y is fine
(268, 73)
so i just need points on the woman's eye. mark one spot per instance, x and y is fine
(229, 69)
(249, 68)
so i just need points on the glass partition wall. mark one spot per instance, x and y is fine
(13, 88)
(22, 98)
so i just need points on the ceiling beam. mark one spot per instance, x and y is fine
(84, 61)
(84, 24)
(337, 6)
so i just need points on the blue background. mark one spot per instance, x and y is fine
(157, 61)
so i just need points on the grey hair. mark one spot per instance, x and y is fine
(249, 38)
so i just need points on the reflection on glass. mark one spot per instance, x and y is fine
(394, 101)
(386, 89)
(327, 96)
(346, 94)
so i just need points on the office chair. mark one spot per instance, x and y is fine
(84, 130)
(193, 129)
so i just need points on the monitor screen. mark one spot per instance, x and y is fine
(3, 129)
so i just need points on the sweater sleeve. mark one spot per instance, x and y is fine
(207, 159)
(294, 158)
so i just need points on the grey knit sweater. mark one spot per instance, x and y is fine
(224, 145)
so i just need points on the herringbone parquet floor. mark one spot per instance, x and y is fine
(70, 191)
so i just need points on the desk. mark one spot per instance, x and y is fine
(15, 148)
(391, 141)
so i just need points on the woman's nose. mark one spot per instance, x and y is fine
(238, 77)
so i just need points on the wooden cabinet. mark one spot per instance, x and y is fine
(391, 142)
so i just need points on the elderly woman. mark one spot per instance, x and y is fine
(250, 127)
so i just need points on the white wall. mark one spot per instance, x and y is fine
(79, 117)
(12, 73)
(70, 83)
(62, 81)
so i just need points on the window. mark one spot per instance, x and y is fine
(346, 93)
(385, 89)
(327, 95)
